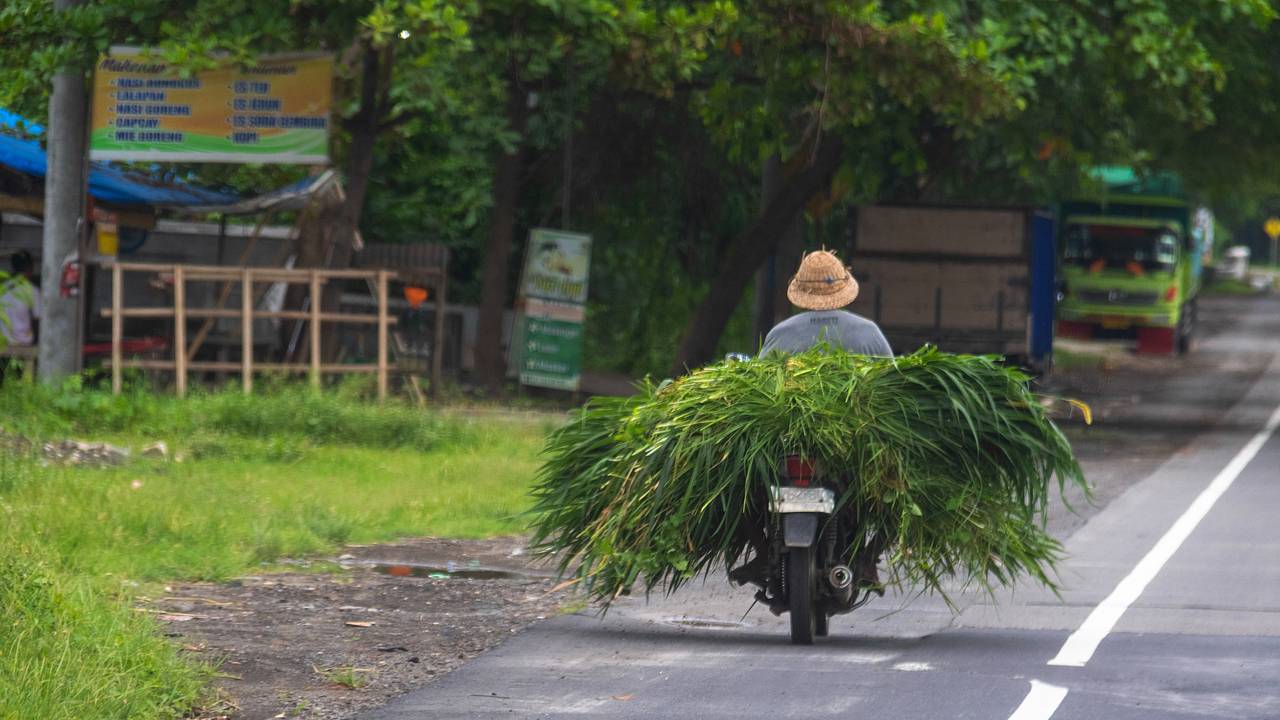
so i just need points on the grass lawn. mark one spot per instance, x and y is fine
(285, 474)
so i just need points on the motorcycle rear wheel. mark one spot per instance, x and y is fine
(800, 595)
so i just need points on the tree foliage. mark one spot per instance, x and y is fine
(650, 120)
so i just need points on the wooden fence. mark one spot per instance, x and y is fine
(184, 360)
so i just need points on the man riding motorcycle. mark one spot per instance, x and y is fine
(822, 287)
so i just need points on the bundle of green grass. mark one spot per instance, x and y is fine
(950, 457)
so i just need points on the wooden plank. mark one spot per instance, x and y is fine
(216, 365)
(224, 292)
(341, 369)
(382, 335)
(262, 274)
(437, 344)
(117, 328)
(316, 300)
(246, 330)
(157, 312)
(234, 366)
(145, 267)
(359, 318)
(135, 363)
(137, 312)
(326, 368)
(180, 330)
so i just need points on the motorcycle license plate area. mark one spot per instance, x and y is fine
(785, 499)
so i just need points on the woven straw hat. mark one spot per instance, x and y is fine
(822, 283)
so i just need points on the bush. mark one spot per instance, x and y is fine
(284, 409)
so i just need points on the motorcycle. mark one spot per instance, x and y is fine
(800, 558)
(800, 564)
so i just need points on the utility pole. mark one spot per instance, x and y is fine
(63, 210)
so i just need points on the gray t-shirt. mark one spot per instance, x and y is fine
(840, 328)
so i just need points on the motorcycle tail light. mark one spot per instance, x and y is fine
(798, 471)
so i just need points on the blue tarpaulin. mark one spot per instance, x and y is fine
(108, 183)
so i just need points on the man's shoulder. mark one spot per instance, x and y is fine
(855, 319)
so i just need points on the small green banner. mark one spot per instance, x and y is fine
(546, 349)
(550, 352)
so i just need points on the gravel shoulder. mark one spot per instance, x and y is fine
(329, 642)
(1146, 407)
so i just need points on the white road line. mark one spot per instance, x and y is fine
(1040, 703)
(1043, 699)
(1082, 643)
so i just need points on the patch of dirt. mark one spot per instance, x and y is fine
(328, 646)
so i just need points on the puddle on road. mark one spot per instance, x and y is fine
(705, 623)
(446, 572)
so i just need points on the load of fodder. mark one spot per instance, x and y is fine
(951, 458)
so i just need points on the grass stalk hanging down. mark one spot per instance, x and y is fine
(950, 455)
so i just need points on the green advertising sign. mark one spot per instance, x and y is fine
(551, 352)
(557, 266)
(553, 290)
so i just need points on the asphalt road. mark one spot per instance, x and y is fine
(1170, 607)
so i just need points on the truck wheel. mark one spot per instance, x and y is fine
(1185, 329)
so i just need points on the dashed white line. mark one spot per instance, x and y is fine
(1040, 703)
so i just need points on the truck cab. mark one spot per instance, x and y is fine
(1128, 277)
(1130, 261)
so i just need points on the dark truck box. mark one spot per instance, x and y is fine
(966, 279)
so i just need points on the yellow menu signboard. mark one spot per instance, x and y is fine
(275, 111)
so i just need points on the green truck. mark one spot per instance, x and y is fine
(1131, 262)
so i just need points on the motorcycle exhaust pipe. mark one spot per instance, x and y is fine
(840, 577)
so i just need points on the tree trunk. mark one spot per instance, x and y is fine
(767, 278)
(786, 261)
(708, 322)
(375, 82)
(491, 367)
(771, 304)
(328, 239)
